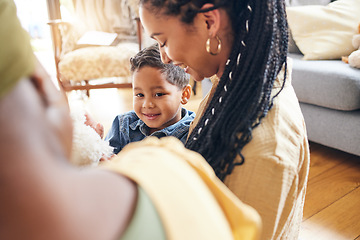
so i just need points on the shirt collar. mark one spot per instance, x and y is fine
(175, 130)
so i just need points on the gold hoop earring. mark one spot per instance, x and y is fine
(218, 46)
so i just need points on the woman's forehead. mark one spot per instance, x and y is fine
(156, 25)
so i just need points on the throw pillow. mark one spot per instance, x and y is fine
(325, 32)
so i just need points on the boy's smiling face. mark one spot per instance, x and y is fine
(156, 101)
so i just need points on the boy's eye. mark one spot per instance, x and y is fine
(159, 94)
(163, 45)
(139, 95)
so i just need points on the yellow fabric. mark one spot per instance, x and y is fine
(325, 32)
(16, 56)
(274, 176)
(191, 201)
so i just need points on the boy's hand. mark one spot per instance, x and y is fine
(106, 158)
(98, 127)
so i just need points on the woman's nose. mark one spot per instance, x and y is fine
(164, 57)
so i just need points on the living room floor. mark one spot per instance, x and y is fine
(332, 207)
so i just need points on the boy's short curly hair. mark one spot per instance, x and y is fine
(150, 57)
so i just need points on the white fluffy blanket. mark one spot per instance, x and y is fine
(88, 147)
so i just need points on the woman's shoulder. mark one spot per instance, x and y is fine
(284, 74)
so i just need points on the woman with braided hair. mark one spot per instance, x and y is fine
(141, 194)
(249, 128)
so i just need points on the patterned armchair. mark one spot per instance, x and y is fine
(93, 66)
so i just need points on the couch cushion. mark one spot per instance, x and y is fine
(333, 128)
(327, 83)
(98, 62)
(325, 32)
(306, 2)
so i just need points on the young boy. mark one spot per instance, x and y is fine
(159, 92)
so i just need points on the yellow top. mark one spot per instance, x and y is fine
(274, 175)
(191, 201)
(16, 55)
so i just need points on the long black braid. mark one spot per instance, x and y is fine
(243, 96)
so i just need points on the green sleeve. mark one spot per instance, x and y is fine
(16, 55)
(146, 223)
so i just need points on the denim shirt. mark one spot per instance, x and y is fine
(128, 127)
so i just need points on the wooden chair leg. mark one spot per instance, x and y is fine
(87, 90)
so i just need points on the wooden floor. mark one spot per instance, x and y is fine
(332, 207)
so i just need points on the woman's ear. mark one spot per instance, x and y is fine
(212, 19)
(186, 93)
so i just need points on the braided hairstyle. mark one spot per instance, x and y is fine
(243, 96)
